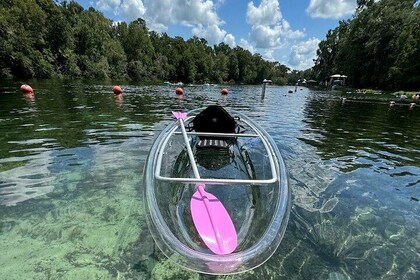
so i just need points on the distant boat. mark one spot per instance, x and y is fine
(337, 81)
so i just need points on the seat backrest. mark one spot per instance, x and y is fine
(214, 119)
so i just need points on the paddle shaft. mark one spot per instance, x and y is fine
(189, 151)
(201, 186)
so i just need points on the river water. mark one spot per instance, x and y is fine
(72, 157)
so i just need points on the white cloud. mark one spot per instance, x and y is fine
(132, 9)
(188, 12)
(268, 55)
(268, 29)
(200, 15)
(160, 13)
(213, 34)
(267, 13)
(265, 36)
(128, 9)
(230, 40)
(302, 54)
(107, 5)
(246, 45)
(331, 8)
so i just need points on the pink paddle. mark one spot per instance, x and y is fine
(213, 222)
(210, 217)
(179, 115)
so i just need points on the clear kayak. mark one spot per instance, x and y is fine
(217, 197)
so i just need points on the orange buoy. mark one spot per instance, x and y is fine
(26, 89)
(224, 91)
(117, 90)
(179, 91)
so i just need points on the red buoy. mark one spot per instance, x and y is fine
(26, 89)
(224, 91)
(117, 90)
(179, 91)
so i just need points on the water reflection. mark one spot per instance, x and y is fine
(362, 130)
(27, 180)
(223, 101)
(30, 98)
(180, 100)
(119, 99)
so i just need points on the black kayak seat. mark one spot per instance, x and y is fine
(214, 119)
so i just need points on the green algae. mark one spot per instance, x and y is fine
(167, 270)
(91, 235)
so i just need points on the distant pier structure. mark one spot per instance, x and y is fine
(265, 82)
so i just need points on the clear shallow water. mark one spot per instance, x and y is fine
(71, 163)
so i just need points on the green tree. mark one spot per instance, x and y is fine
(378, 47)
(406, 70)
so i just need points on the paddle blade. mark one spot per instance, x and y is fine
(179, 115)
(213, 222)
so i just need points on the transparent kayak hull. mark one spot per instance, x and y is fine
(249, 178)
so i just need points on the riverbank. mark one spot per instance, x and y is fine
(379, 95)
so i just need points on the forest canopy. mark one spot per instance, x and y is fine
(43, 39)
(378, 47)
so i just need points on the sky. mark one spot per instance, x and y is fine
(287, 31)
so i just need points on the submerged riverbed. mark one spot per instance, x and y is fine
(72, 157)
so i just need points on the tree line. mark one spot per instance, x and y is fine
(379, 47)
(44, 39)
